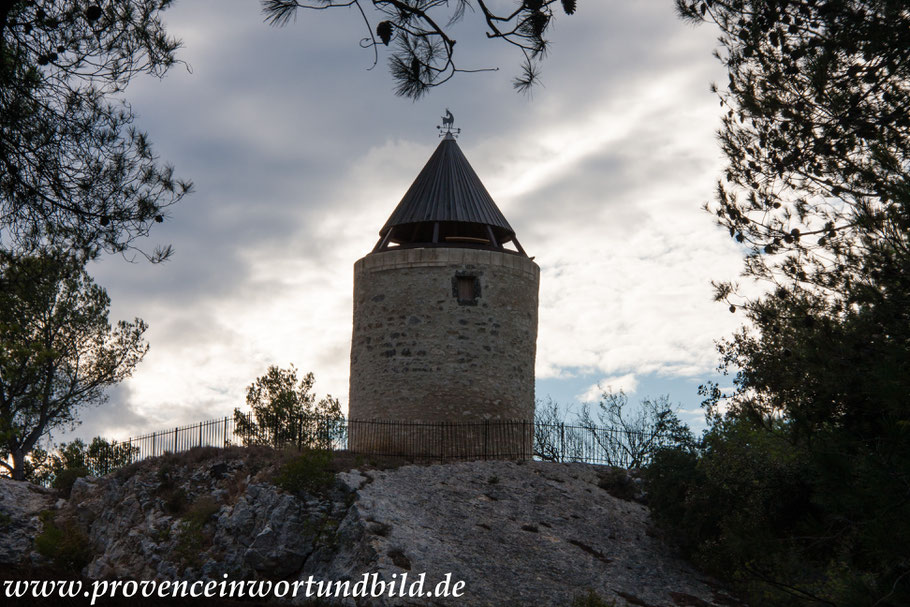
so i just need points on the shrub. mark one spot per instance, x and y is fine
(98, 458)
(63, 542)
(192, 536)
(618, 483)
(308, 472)
(673, 479)
(202, 510)
(66, 478)
(191, 542)
(175, 501)
(745, 509)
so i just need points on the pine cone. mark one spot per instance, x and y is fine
(384, 31)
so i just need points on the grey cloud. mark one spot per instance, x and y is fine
(292, 144)
(116, 418)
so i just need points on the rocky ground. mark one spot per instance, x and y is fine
(20, 504)
(529, 534)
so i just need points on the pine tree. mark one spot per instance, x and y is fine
(74, 171)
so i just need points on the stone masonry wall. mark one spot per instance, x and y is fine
(419, 354)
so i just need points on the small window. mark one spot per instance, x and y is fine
(466, 288)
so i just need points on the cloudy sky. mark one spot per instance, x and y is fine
(299, 153)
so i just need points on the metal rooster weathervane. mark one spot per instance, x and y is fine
(447, 127)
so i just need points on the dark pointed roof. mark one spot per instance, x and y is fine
(448, 190)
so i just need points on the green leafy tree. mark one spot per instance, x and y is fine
(817, 137)
(419, 31)
(58, 352)
(810, 454)
(827, 389)
(98, 458)
(284, 411)
(74, 171)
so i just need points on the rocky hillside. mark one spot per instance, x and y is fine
(525, 533)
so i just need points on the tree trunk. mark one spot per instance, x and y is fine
(18, 465)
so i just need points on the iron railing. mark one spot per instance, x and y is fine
(493, 439)
(440, 441)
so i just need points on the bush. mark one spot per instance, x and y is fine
(673, 480)
(749, 508)
(308, 472)
(202, 510)
(174, 501)
(618, 483)
(66, 478)
(191, 542)
(63, 542)
(97, 459)
(192, 536)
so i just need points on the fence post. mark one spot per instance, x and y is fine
(562, 442)
(486, 436)
(527, 440)
(200, 434)
(175, 438)
(224, 442)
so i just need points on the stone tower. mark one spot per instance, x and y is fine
(445, 322)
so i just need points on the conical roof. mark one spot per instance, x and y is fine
(448, 190)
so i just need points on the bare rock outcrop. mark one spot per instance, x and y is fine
(20, 507)
(198, 517)
(517, 533)
(530, 534)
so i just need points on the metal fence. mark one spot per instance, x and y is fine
(420, 441)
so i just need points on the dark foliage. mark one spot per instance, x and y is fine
(285, 412)
(817, 135)
(74, 171)
(308, 472)
(58, 351)
(424, 54)
(63, 542)
(800, 490)
(68, 461)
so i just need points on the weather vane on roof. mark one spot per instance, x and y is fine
(447, 127)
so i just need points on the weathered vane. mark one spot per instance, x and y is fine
(447, 128)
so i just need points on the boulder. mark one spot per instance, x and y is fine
(21, 504)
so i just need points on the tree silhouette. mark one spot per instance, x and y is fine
(74, 171)
(799, 492)
(284, 411)
(629, 436)
(98, 458)
(816, 133)
(58, 352)
(419, 32)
